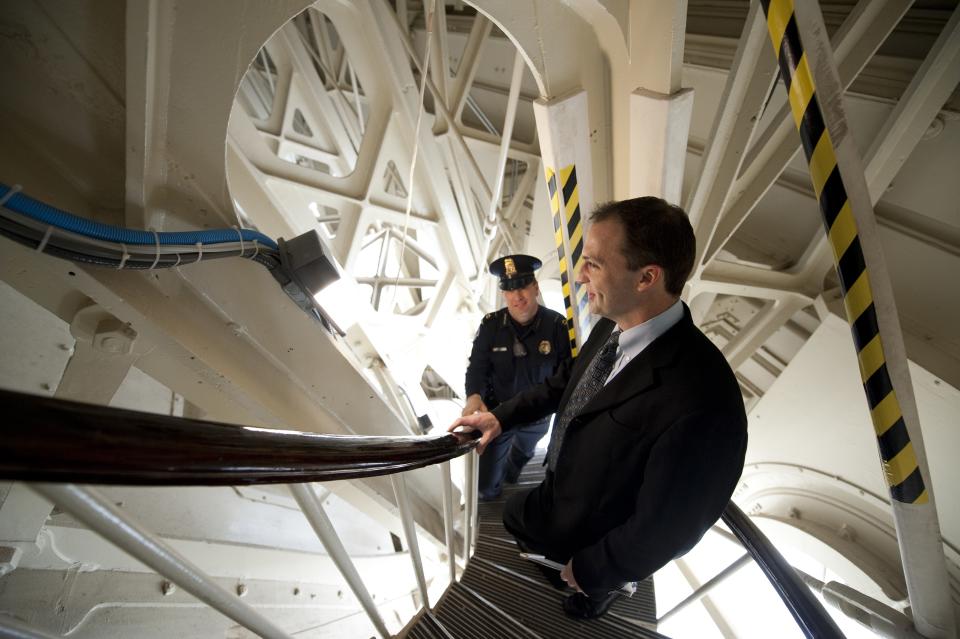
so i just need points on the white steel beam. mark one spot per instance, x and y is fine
(933, 83)
(762, 326)
(300, 57)
(508, 120)
(469, 62)
(439, 55)
(855, 42)
(96, 512)
(748, 84)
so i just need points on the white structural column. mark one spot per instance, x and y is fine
(838, 177)
(562, 126)
(659, 109)
(659, 130)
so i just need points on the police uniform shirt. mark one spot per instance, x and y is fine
(508, 358)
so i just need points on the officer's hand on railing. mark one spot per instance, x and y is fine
(486, 423)
(473, 405)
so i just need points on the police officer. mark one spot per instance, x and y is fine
(515, 348)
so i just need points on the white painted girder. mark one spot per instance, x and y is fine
(748, 84)
(855, 42)
(926, 94)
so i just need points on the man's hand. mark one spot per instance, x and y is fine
(473, 405)
(486, 423)
(567, 575)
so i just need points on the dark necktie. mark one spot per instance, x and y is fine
(589, 385)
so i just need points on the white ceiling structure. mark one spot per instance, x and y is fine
(292, 115)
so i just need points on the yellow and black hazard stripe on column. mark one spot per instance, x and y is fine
(565, 207)
(899, 460)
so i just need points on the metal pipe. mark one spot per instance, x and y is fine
(446, 483)
(97, 513)
(315, 514)
(883, 620)
(410, 532)
(705, 589)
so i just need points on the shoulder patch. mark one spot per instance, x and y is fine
(487, 316)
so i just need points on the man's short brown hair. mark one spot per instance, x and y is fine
(655, 232)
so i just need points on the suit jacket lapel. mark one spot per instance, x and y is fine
(638, 375)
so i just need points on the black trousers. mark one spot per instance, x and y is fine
(520, 518)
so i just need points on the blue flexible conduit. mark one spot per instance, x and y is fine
(53, 216)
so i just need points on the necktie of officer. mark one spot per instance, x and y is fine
(589, 385)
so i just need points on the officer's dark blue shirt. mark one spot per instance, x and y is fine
(508, 358)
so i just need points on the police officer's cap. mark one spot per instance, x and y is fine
(515, 271)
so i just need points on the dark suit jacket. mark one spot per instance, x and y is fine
(646, 467)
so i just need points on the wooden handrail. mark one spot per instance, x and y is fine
(54, 440)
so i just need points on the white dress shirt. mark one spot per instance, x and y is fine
(634, 340)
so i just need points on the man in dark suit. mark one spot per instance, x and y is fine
(650, 434)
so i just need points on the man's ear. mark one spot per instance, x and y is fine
(648, 276)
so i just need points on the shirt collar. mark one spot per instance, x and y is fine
(635, 339)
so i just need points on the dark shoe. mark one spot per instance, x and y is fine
(580, 606)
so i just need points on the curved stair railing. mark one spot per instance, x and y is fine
(55, 445)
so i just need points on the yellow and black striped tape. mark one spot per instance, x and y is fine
(565, 207)
(899, 460)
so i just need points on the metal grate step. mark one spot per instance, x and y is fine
(502, 595)
(466, 615)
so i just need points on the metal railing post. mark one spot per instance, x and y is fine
(705, 589)
(97, 513)
(447, 483)
(410, 532)
(315, 514)
(470, 502)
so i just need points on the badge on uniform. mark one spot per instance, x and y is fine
(544, 347)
